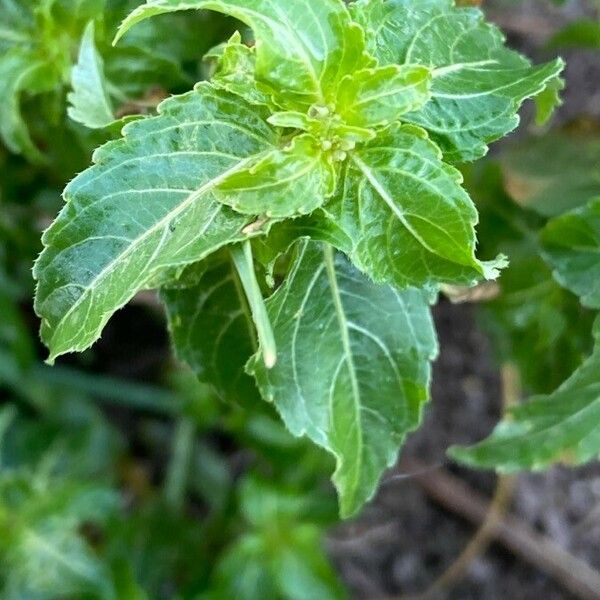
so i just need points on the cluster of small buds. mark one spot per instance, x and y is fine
(318, 111)
(338, 146)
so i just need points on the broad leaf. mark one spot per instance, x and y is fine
(212, 330)
(478, 83)
(353, 366)
(572, 247)
(146, 208)
(89, 101)
(562, 427)
(409, 219)
(304, 48)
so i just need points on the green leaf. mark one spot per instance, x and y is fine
(89, 101)
(584, 33)
(146, 209)
(353, 366)
(547, 101)
(212, 330)
(572, 248)
(531, 315)
(41, 548)
(304, 48)
(562, 427)
(288, 181)
(551, 183)
(410, 221)
(19, 69)
(378, 97)
(478, 83)
(234, 70)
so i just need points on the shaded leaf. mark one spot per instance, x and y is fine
(533, 322)
(572, 248)
(551, 183)
(19, 70)
(212, 329)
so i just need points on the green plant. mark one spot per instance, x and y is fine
(300, 210)
(323, 154)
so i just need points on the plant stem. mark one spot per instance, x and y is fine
(183, 447)
(244, 264)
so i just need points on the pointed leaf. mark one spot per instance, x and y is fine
(562, 427)
(89, 101)
(285, 182)
(145, 209)
(304, 48)
(572, 248)
(353, 366)
(410, 221)
(478, 83)
(378, 97)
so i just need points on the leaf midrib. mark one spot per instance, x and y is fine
(163, 222)
(344, 328)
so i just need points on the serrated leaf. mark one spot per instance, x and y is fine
(89, 101)
(572, 248)
(304, 47)
(410, 221)
(212, 329)
(562, 427)
(478, 83)
(146, 208)
(377, 97)
(547, 101)
(288, 181)
(353, 366)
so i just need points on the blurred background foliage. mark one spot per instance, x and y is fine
(123, 477)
